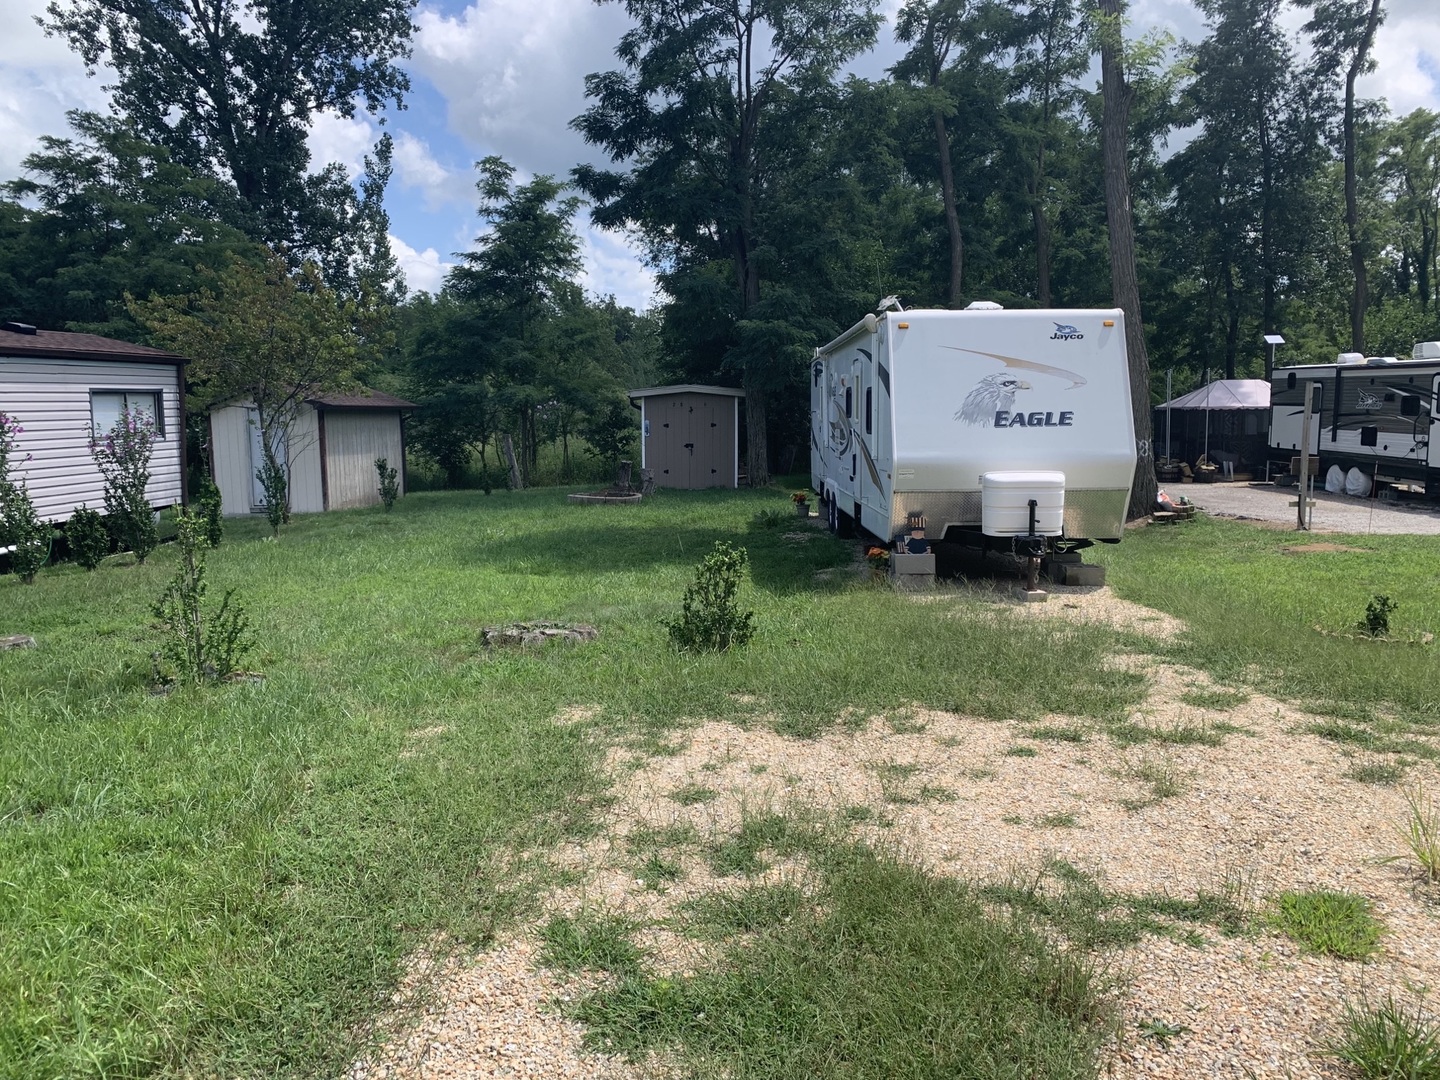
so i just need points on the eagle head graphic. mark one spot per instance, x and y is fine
(1065, 328)
(992, 394)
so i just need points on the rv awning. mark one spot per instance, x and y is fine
(1225, 394)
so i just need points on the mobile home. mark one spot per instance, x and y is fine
(1377, 414)
(63, 388)
(986, 423)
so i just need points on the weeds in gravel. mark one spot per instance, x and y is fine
(1376, 739)
(1389, 1042)
(1161, 1031)
(693, 794)
(1020, 750)
(1328, 922)
(886, 973)
(589, 942)
(1421, 833)
(1061, 820)
(1382, 773)
(758, 907)
(1215, 700)
(1057, 733)
(1185, 733)
(1160, 776)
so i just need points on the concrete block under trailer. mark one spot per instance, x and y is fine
(1380, 417)
(909, 410)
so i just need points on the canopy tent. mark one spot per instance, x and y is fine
(1225, 394)
(1220, 395)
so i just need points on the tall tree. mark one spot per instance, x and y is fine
(1117, 97)
(232, 86)
(1344, 32)
(1049, 57)
(698, 114)
(1411, 162)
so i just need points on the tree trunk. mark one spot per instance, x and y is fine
(1124, 281)
(1042, 251)
(1232, 320)
(952, 214)
(516, 484)
(1359, 295)
(757, 443)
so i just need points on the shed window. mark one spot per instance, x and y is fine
(105, 407)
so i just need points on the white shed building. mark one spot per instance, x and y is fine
(61, 387)
(330, 456)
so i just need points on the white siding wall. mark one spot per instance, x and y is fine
(230, 458)
(230, 439)
(353, 440)
(51, 400)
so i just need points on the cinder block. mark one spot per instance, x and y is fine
(906, 565)
(1031, 596)
(1084, 575)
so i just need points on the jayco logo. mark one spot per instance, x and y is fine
(1066, 332)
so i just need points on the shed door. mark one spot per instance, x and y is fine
(707, 464)
(257, 459)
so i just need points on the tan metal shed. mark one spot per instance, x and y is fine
(690, 435)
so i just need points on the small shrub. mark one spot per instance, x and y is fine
(123, 458)
(710, 619)
(20, 525)
(89, 539)
(1328, 922)
(197, 645)
(208, 504)
(773, 519)
(389, 483)
(1377, 616)
(1389, 1042)
(276, 486)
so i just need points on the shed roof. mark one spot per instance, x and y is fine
(687, 388)
(62, 345)
(362, 399)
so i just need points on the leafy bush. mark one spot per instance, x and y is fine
(710, 619)
(1377, 616)
(20, 525)
(208, 505)
(88, 537)
(197, 645)
(123, 458)
(389, 483)
(276, 486)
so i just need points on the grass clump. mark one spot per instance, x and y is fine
(589, 942)
(1388, 1042)
(1215, 700)
(1183, 733)
(887, 973)
(1382, 773)
(1421, 833)
(1162, 779)
(1020, 750)
(1328, 922)
(744, 912)
(693, 794)
(1057, 733)
(1060, 820)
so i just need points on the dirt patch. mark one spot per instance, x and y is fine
(1303, 549)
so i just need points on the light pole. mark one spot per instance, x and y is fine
(1271, 340)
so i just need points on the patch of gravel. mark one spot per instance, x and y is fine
(1333, 513)
(1270, 809)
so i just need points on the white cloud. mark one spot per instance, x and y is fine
(613, 267)
(344, 139)
(512, 73)
(423, 270)
(440, 185)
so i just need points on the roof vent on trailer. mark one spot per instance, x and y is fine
(984, 305)
(1350, 358)
(1426, 350)
(1381, 360)
(17, 327)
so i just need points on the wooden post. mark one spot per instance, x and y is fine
(1300, 522)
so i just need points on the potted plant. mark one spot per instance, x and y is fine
(879, 560)
(801, 499)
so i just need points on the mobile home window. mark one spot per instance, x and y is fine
(105, 407)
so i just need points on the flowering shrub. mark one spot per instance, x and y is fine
(123, 457)
(20, 525)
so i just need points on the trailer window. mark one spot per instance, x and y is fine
(849, 402)
(869, 411)
(1290, 381)
(1409, 405)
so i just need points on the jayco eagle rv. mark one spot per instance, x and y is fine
(1377, 414)
(989, 424)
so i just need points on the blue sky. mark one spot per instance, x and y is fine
(506, 77)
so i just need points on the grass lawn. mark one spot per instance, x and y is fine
(226, 880)
(1252, 609)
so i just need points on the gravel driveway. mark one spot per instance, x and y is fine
(1333, 513)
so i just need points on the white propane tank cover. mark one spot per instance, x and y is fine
(1350, 358)
(1426, 350)
(1005, 503)
(984, 305)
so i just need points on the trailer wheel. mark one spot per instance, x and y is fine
(844, 523)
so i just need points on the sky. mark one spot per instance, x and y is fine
(506, 77)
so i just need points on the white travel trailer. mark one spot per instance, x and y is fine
(989, 424)
(1377, 414)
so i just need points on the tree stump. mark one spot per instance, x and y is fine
(647, 481)
(622, 479)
